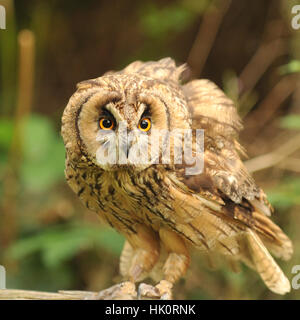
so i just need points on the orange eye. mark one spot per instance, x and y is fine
(145, 124)
(106, 124)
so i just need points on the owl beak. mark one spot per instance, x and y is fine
(126, 144)
(129, 145)
(125, 148)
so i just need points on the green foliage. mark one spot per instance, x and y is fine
(158, 22)
(196, 6)
(6, 134)
(292, 67)
(230, 84)
(286, 195)
(199, 294)
(43, 155)
(33, 274)
(291, 121)
(57, 244)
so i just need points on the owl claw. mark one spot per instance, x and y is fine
(146, 291)
(126, 291)
(162, 291)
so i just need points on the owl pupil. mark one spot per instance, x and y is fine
(144, 124)
(107, 123)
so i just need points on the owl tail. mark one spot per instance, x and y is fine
(282, 247)
(266, 266)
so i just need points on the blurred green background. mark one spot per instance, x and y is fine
(48, 240)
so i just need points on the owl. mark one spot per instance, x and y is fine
(123, 163)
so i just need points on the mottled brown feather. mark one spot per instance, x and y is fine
(162, 212)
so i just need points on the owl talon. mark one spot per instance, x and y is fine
(147, 292)
(165, 289)
(162, 291)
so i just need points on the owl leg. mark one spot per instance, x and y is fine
(174, 268)
(125, 259)
(178, 258)
(140, 254)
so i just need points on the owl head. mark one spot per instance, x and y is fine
(122, 120)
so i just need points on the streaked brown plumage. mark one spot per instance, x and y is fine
(162, 212)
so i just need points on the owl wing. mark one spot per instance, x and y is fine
(224, 170)
(164, 70)
(225, 179)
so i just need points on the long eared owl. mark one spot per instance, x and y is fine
(160, 205)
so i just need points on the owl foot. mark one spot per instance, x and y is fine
(121, 291)
(162, 291)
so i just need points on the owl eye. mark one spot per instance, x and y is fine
(145, 124)
(106, 124)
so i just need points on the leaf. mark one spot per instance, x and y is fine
(6, 133)
(33, 275)
(43, 153)
(112, 240)
(291, 121)
(6, 136)
(292, 67)
(159, 22)
(60, 243)
(286, 195)
(230, 84)
(62, 247)
(38, 135)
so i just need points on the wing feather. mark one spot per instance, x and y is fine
(225, 176)
(214, 112)
(164, 69)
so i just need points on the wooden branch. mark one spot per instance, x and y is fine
(275, 157)
(271, 103)
(259, 63)
(291, 164)
(206, 36)
(10, 294)
(122, 291)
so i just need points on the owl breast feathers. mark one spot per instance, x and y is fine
(109, 125)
